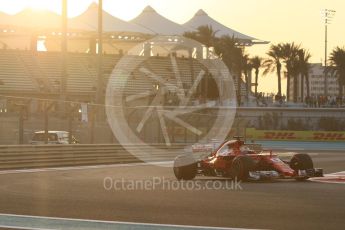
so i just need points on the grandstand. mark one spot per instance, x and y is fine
(32, 64)
(28, 72)
(31, 75)
(35, 74)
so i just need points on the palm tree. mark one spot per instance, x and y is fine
(204, 34)
(191, 34)
(246, 68)
(290, 57)
(273, 63)
(256, 63)
(337, 59)
(226, 48)
(304, 67)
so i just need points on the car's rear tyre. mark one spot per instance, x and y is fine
(185, 167)
(301, 161)
(240, 167)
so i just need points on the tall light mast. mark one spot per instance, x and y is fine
(99, 92)
(64, 72)
(327, 15)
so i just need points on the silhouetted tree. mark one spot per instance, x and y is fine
(204, 34)
(304, 67)
(256, 63)
(290, 57)
(226, 48)
(246, 67)
(274, 63)
(337, 59)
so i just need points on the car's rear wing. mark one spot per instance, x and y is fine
(206, 148)
(203, 148)
(257, 148)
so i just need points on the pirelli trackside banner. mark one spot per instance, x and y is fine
(286, 135)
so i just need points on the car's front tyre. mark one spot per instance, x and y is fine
(301, 162)
(185, 167)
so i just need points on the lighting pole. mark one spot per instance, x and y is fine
(64, 72)
(100, 53)
(327, 15)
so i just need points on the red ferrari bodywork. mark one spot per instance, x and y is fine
(264, 160)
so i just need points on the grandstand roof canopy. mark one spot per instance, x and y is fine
(155, 22)
(148, 22)
(29, 18)
(201, 18)
(88, 21)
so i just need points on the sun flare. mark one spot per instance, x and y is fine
(43, 5)
(74, 7)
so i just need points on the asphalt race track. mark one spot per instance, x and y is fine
(82, 193)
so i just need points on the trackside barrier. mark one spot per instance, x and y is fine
(286, 135)
(39, 156)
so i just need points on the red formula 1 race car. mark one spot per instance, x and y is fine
(235, 159)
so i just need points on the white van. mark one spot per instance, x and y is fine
(54, 137)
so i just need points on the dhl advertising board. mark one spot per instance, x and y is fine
(287, 135)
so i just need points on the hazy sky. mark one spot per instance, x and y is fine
(273, 20)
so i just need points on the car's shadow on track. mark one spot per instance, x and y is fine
(205, 179)
(264, 181)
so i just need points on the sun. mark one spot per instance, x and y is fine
(42, 5)
(124, 10)
(74, 7)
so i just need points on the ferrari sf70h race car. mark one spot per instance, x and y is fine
(235, 159)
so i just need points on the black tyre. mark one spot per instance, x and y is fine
(185, 167)
(301, 161)
(241, 166)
